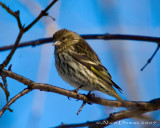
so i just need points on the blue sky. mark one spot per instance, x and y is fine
(123, 59)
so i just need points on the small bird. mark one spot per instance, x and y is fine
(79, 65)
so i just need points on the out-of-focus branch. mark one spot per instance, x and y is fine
(154, 105)
(95, 36)
(25, 91)
(97, 100)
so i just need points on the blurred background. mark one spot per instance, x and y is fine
(123, 59)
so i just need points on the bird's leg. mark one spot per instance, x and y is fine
(77, 89)
(89, 95)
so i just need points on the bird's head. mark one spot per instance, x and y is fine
(64, 38)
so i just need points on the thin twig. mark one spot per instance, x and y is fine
(43, 13)
(5, 87)
(25, 91)
(15, 14)
(8, 58)
(22, 30)
(150, 59)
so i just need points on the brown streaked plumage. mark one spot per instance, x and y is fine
(79, 65)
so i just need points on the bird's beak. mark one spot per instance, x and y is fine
(56, 43)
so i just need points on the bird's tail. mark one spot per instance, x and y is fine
(111, 91)
(118, 98)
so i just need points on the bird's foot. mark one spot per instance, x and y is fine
(89, 96)
(76, 90)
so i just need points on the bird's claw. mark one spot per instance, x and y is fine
(76, 91)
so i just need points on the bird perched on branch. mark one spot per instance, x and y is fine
(79, 65)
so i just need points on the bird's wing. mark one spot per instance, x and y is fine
(97, 68)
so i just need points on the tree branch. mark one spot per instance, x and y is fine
(102, 36)
(137, 108)
(25, 91)
(15, 14)
(28, 43)
(43, 13)
(150, 59)
(22, 30)
(95, 36)
(8, 58)
(49, 88)
(122, 37)
(5, 87)
(154, 105)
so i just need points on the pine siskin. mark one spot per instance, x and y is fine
(79, 65)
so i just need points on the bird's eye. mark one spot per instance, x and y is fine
(63, 38)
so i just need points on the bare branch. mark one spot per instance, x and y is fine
(102, 36)
(5, 87)
(15, 14)
(154, 105)
(22, 30)
(150, 59)
(43, 13)
(25, 91)
(94, 36)
(122, 37)
(51, 88)
(8, 58)
(80, 109)
(28, 43)
(137, 108)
